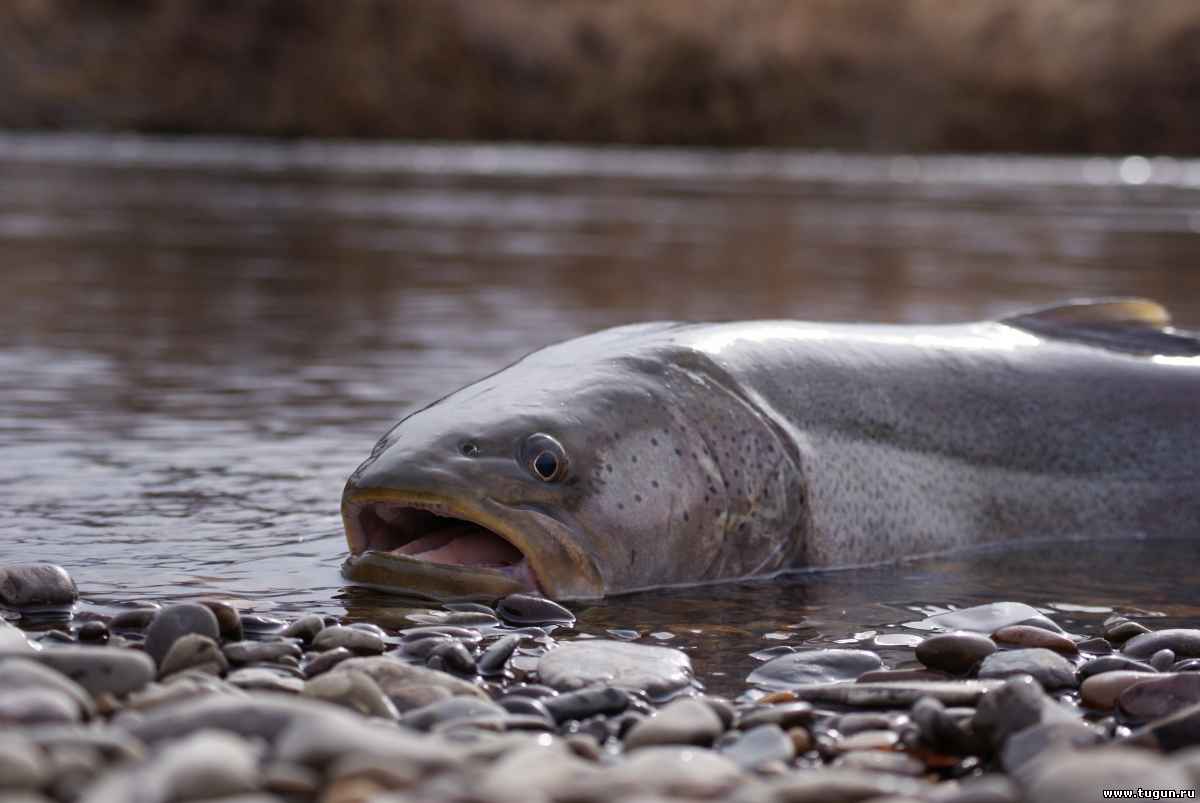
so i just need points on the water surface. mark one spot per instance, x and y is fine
(202, 338)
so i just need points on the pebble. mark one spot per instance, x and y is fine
(1163, 660)
(395, 677)
(1159, 696)
(25, 585)
(324, 661)
(12, 639)
(684, 721)
(1095, 646)
(101, 670)
(135, 619)
(1018, 704)
(759, 746)
(867, 740)
(253, 677)
(658, 671)
(1186, 665)
(1080, 777)
(1123, 630)
(669, 772)
(587, 702)
(1173, 732)
(954, 652)
(241, 653)
(524, 706)
(785, 715)
(305, 628)
(207, 764)
(455, 708)
(1040, 740)
(903, 675)
(22, 765)
(814, 666)
(493, 659)
(1185, 643)
(35, 706)
(1103, 690)
(991, 617)
(229, 620)
(194, 652)
(878, 761)
(175, 621)
(94, 632)
(1029, 636)
(24, 675)
(1047, 667)
(843, 785)
(355, 640)
(527, 609)
(352, 689)
(1111, 663)
(898, 693)
(452, 656)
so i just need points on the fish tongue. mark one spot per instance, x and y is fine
(475, 548)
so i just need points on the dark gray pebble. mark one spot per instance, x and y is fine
(785, 715)
(1187, 665)
(1018, 704)
(242, 653)
(427, 716)
(1163, 660)
(24, 585)
(814, 666)
(1158, 697)
(256, 624)
(422, 648)
(93, 633)
(175, 621)
(305, 628)
(954, 652)
(1111, 663)
(524, 706)
(101, 669)
(452, 656)
(493, 659)
(1095, 646)
(587, 702)
(1122, 630)
(1174, 732)
(229, 620)
(527, 609)
(1046, 666)
(534, 690)
(324, 661)
(136, 619)
(1044, 738)
(1184, 642)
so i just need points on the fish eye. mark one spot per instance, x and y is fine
(469, 449)
(545, 458)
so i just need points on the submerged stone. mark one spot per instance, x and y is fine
(989, 618)
(814, 666)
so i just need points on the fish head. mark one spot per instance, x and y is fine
(577, 473)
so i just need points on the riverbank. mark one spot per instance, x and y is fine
(997, 75)
(196, 700)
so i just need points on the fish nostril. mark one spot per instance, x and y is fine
(469, 449)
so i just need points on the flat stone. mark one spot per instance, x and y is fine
(354, 639)
(25, 585)
(1045, 666)
(838, 785)
(954, 652)
(175, 621)
(22, 764)
(1103, 690)
(814, 666)
(672, 772)
(758, 746)
(1111, 663)
(989, 618)
(879, 761)
(527, 609)
(493, 659)
(455, 708)
(193, 651)
(305, 628)
(899, 694)
(1153, 698)
(133, 619)
(206, 764)
(24, 676)
(535, 772)
(101, 670)
(352, 689)
(684, 721)
(394, 676)
(1120, 632)
(785, 715)
(658, 671)
(241, 653)
(1081, 777)
(1174, 732)
(586, 703)
(1184, 642)
(37, 706)
(1030, 636)
(253, 677)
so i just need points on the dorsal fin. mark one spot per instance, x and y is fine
(1129, 325)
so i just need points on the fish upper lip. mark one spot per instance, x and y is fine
(354, 503)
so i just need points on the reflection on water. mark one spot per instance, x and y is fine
(201, 339)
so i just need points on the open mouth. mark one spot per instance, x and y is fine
(432, 533)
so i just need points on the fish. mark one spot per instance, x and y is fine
(674, 453)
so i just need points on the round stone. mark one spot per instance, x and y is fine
(24, 585)
(1111, 663)
(658, 671)
(685, 721)
(1030, 636)
(1184, 642)
(1103, 690)
(354, 690)
(758, 746)
(101, 670)
(814, 666)
(354, 639)
(175, 621)
(955, 652)
(305, 628)
(193, 652)
(1047, 667)
(1159, 696)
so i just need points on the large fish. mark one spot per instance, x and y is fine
(676, 453)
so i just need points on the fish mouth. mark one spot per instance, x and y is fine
(447, 538)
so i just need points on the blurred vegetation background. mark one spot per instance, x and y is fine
(876, 75)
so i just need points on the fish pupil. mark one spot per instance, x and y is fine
(546, 465)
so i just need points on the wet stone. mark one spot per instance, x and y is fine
(1033, 743)
(37, 706)
(101, 669)
(256, 624)
(759, 746)
(954, 652)
(1103, 690)
(1111, 663)
(241, 653)
(176, 621)
(265, 680)
(354, 639)
(229, 620)
(452, 656)
(305, 628)
(135, 619)
(942, 730)
(12, 639)
(25, 585)
(22, 764)
(1186, 665)
(95, 633)
(881, 675)
(1095, 646)
(586, 702)
(456, 708)
(195, 652)
(898, 694)
(684, 721)
(658, 671)
(859, 721)
(422, 648)
(1029, 636)
(527, 609)
(1174, 732)
(878, 761)
(1018, 704)
(324, 661)
(1123, 630)
(785, 715)
(1185, 643)
(354, 690)
(1157, 697)
(989, 618)
(1045, 666)
(1081, 776)
(472, 619)
(814, 666)
(525, 706)
(1163, 660)
(493, 659)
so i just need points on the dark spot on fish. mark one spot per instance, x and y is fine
(634, 458)
(654, 483)
(685, 515)
(620, 506)
(608, 467)
(654, 441)
(678, 453)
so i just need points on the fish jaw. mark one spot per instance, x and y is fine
(448, 547)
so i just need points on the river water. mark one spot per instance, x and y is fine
(200, 339)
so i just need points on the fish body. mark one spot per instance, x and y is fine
(676, 453)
